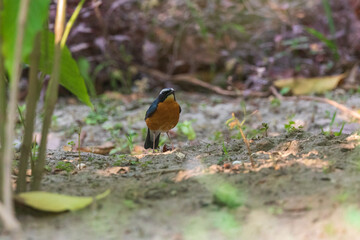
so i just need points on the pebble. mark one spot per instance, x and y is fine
(81, 166)
(180, 155)
(236, 162)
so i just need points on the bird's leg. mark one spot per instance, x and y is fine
(154, 142)
(172, 146)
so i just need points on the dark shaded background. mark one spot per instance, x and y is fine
(234, 44)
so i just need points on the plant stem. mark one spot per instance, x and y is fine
(22, 121)
(32, 156)
(247, 146)
(328, 13)
(10, 223)
(12, 106)
(2, 109)
(71, 22)
(31, 100)
(79, 143)
(51, 94)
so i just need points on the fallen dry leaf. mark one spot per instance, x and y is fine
(300, 86)
(138, 149)
(103, 149)
(214, 169)
(166, 148)
(67, 148)
(53, 202)
(113, 170)
(183, 175)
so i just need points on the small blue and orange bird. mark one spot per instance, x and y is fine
(162, 116)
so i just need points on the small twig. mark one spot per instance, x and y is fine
(234, 122)
(339, 106)
(76, 154)
(248, 147)
(195, 81)
(276, 93)
(161, 171)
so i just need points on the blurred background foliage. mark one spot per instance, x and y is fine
(238, 44)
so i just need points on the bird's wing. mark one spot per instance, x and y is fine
(179, 109)
(151, 109)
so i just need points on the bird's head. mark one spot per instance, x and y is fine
(167, 94)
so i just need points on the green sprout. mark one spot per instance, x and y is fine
(96, 117)
(275, 102)
(121, 161)
(330, 132)
(225, 151)
(289, 127)
(253, 133)
(186, 129)
(130, 140)
(218, 136)
(145, 164)
(65, 166)
(101, 113)
(234, 122)
(48, 168)
(264, 129)
(225, 154)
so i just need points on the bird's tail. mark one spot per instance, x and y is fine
(149, 140)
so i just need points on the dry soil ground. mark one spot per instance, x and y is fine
(304, 185)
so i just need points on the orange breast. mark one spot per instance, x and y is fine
(165, 117)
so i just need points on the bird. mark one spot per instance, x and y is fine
(162, 116)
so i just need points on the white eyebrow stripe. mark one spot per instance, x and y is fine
(166, 89)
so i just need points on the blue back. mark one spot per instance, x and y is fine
(152, 108)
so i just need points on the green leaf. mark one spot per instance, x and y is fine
(187, 129)
(53, 202)
(224, 193)
(352, 216)
(329, 43)
(329, 16)
(84, 68)
(70, 76)
(227, 195)
(38, 13)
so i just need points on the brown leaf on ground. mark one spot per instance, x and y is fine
(113, 170)
(138, 149)
(300, 86)
(103, 149)
(67, 148)
(183, 175)
(166, 148)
